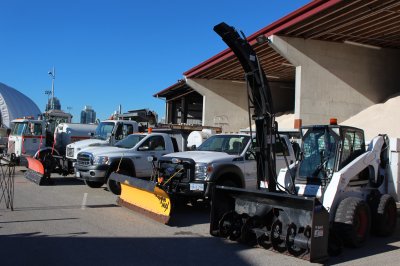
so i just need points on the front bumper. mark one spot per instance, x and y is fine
(195, 189)
(92, 173)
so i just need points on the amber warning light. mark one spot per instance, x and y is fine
(333, 121)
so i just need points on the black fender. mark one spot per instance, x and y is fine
(223, 171)
(124, 163)
(46, 149)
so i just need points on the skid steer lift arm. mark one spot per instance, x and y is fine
(278, 221)
(260, 100)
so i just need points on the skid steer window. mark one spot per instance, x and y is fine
(353, 146)
(319, 153)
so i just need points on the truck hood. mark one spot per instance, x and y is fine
(88, 143)
(107, 151)
(202, 156)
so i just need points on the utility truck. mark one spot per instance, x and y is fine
(34, 141)
(223, 159)
(337, 193)
(108, 132)
(128, 156)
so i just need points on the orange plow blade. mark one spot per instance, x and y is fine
(35, 172)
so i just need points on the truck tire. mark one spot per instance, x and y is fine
(353, 221)
(385, 217)
(114, 186)
(94, 184)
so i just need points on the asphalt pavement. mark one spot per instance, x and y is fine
(69, 223)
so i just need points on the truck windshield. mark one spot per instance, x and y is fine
(104, 130)
(130, 141)
(319, 153)
(231, 144)
(18, 129)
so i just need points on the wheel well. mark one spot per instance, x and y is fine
(123, 165)
(230, 176)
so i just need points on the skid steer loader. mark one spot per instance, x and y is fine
(335, 194)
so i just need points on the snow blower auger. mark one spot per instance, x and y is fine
(144, 196)
(287, 224)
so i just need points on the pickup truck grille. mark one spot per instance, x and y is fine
(84, 159)
(70, 152)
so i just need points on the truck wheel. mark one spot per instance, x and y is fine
(353, 221)
(385, 217)
(94, 184)
(114, 186)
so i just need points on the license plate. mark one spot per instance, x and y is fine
(77, 174)
(196, 186)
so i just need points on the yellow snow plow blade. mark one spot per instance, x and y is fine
(143, 196)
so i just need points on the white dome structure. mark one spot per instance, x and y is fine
(14, 104)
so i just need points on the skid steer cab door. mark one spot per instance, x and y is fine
(153, 146)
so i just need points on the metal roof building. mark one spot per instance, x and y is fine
(14, 104)
(329, 58)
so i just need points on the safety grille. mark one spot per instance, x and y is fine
(70, 152)
(168, 169)
(84, 159)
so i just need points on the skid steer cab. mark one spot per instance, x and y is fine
(337, 193)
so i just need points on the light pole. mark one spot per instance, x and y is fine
(53, 76)
(48, 93)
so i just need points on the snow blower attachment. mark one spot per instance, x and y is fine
(143, 196)
(284, 223)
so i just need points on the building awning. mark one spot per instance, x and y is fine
(368, 23)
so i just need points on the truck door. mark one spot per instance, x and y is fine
(153, 146)
(250, 167)
(282, 150)
(33, 138)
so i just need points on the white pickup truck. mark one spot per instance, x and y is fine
(108, 132)
(223, 159)
(128, 156)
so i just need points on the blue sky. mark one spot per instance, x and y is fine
(112, 52)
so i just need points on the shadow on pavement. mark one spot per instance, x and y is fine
(37, 249)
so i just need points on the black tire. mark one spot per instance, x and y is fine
(353, 221)
(227, 183)
(94, 184)
(385, 217)
(114, 187)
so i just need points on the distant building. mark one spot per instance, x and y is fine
(88, 115)
(53, 104)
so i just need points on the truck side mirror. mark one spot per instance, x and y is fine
(193, 148)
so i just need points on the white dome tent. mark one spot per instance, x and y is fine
(14, 104)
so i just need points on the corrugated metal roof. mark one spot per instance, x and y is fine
(370, 22)
(14, 104)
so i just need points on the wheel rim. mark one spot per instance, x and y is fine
(362, 223)
(390, 216)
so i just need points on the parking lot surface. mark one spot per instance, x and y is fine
(69, 223)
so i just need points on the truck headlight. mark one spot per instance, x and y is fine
(98, 160)
(203, 171)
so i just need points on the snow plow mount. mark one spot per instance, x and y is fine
(143, 196)
(283, 223)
